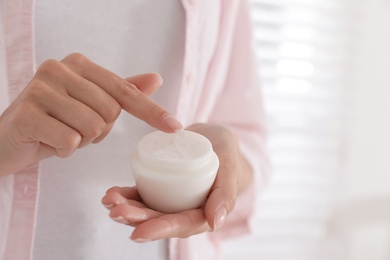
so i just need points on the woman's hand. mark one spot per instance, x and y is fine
(69, 104)
(233, 176)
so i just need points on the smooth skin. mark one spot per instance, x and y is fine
(69, 104)
(234, 174)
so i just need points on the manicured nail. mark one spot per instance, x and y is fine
(141, 240)
(109, 206)
(172, 122)
(121, 219)
(220, 218)
(161, 79)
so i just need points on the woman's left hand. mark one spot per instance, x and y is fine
(233, 175)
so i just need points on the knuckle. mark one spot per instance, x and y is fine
(49, 68)
(70, 144)
(35, 91)
(72, 141)
(38, 94)
(75, 61)
(112, 113)
(129, 90)
(95, 129)
(75, 58)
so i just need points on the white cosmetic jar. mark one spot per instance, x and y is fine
(174, 172)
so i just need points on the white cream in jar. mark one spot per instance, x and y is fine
(174, 172)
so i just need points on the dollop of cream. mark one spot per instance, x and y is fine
(183, 145)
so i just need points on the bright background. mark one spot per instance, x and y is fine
(325, 70)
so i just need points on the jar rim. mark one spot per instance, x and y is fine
(184, 149)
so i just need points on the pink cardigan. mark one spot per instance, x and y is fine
(225, 91)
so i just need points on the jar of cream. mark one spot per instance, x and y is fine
(174, 172)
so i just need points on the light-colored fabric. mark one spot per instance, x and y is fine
(231, 95)
(74, 185)
(6, 183)
(219, 84)
(17, 214)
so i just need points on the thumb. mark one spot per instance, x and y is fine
(147, 83)
(222, 198)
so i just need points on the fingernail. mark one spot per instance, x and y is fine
(121, 219)
(161, 79)
(220, 218)
(141, 240)
(109, 206)
(172, 122)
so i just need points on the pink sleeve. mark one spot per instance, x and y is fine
(4, 96)
(240, 107)
(5, 181)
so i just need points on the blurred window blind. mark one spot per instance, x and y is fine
(300, 55)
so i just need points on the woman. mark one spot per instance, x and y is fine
(50, 189)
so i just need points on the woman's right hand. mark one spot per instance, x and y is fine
(69, 104)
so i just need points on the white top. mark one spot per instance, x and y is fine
(127, 37)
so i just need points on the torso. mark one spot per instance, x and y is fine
(126, 37)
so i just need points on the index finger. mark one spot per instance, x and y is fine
(130, 98)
